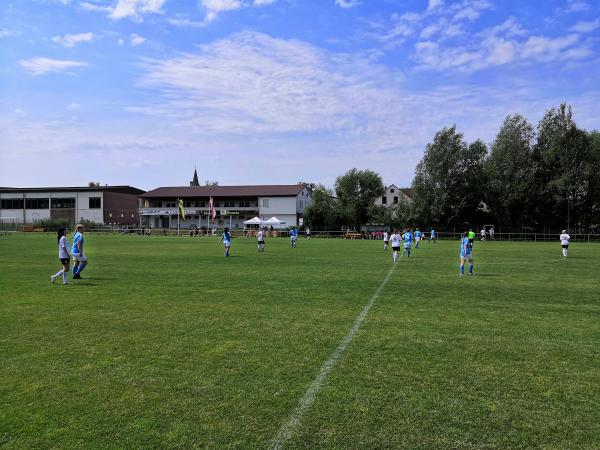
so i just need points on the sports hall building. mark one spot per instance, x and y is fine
(232, 205)
(116, 205)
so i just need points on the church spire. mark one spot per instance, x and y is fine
(195, 181)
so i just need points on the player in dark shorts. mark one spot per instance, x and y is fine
(63, 256)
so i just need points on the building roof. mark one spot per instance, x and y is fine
(407, 191)
(119, 189)
(273, 190)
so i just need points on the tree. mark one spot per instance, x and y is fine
(94, 184)
(356, 191)
(310, 187)
(448, 183)
(323, 213)
(211, 183)
(509, 173)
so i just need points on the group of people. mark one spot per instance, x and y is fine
(260, 236)
(397, 240)
(79, 258)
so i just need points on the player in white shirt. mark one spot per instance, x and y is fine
(564, 241)
(63, 255)
(386, 240)
(396, 239)
(261, 240)
(482, 234)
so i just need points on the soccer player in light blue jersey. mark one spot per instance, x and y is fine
(79, 259)
(418, 237)
(226, 238)
(294, 237)
(407, 237)
(432, 236)
(465, 254)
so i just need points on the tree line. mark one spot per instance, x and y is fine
(542, 179)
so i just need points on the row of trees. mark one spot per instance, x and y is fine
(543, 179)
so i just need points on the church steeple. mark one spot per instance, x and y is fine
(195, 181)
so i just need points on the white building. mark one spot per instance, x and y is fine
(233, 205)
(394, 195)
(100, 204)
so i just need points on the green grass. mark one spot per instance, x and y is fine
(167, 344)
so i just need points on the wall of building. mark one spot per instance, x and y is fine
(121, 208)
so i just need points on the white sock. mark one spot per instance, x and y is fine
(59, 273)
(64, 276)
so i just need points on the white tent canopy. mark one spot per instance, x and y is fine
(253, 221)
(275, 222)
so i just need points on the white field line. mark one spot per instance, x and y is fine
(307, 400)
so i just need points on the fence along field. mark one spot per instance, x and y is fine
(165, 343)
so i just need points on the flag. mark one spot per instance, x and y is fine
(212, 212)
(181, 210)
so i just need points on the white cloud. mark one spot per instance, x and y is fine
(263, 2)
(347, 3)
(70, 40)
(135, 9)
(185, 22)
(5, 32)
(575, 6)
(121, 41)
(585, 27)
(73, 106)
(40, 66)
(214, 7)
(94, 7)
(500, 45)
(136, 40)
(434, 4)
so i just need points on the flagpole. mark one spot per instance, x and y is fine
(178, 215)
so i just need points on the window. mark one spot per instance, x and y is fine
(37, 203)
(155, 204)
(12, 203)
(216, 203)
(265, 202)
(63, 203)
(392, 191)
(170, 205)
(244, 204)
(395, 200)
(384, 200)
(229, 204)
(200, 204)
(187, 203)
(95, 202)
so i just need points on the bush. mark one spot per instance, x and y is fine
(52, 224)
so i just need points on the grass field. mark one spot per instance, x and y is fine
(167, 344)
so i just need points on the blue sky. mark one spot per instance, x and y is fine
(138, 92)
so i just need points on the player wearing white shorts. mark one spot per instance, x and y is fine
(79, 259)
(395, 239)
(386, 240)
(564, 241)
(63, 256)
(418, 236)
(261, 241)
(226, 238)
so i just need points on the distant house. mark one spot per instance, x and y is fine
(232, 204)
(100, 204)
(393, 195)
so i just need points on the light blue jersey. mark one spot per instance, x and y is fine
(77, 238)
(432, 233)
(418, 234)
(408, 238)
(226, 238)
(465, 247)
